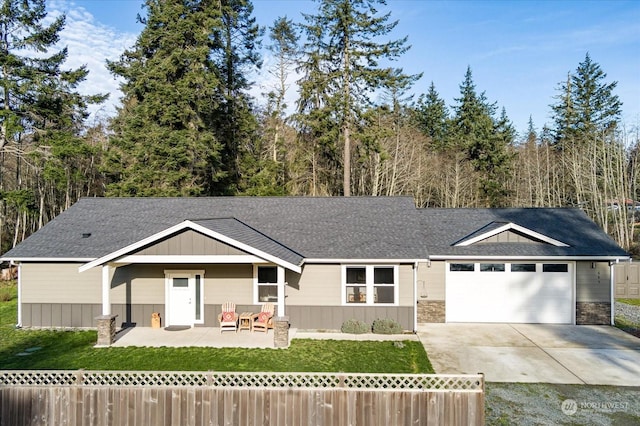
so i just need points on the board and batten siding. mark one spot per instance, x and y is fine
(189, 243)
(507, 237)
(593, 282)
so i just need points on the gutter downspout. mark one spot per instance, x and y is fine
(19, 324)
(415, 297)
(612, 288)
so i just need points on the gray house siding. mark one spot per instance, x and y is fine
(57, 295)
(59, 283)
(190, 243)
(507, 237)
(593, 282)
(431, 304)
(593, 293)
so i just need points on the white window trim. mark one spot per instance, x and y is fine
(169, 274)
(256, 285)
(369, 285)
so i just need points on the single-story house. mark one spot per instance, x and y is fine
(320, 260)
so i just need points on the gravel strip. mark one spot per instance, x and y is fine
(630, 313)
(550, 404)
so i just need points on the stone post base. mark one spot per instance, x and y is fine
(106, 330)
(281, 332)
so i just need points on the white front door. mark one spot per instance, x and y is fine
(181, 310)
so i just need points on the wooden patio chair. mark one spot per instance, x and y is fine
(228, 318)
(264, 320)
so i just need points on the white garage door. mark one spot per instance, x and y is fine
(509, 292)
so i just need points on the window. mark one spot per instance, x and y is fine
(555, 267)
(370, 284)
(523, 267)
(461, 267)
(267, 281)
(198, 281)
(356, 285)
(383, 284)
(180, 282)
(492, 267)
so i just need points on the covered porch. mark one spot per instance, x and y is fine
(197, 337)
(185, 274)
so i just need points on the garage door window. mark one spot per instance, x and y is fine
(492, 267)
(523, 267)
(462, 267)
(555, 267)
(370, 284)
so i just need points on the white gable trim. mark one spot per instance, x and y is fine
(187, 224)
(508, 227)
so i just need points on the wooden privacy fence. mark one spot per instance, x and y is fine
(230, 398)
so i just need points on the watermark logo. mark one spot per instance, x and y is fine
(569, 407)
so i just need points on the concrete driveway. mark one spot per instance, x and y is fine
(534, 353)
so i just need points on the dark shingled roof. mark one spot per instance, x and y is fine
(312, 227)
(238, 231)
(445, 227)
(297, 228)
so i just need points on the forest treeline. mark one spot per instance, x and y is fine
(188, 126)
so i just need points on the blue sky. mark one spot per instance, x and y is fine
(518, 51)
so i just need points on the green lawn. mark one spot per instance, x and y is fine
(635, 302)
(71, 350)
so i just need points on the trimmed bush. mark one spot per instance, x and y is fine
(386, 326)
(354, 326)
(5, 296)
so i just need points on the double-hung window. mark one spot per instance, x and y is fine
(370, 284)
(267, 284)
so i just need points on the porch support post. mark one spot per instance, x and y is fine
(281, 295)
(106, 287)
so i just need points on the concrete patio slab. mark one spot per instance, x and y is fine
(534, 353)
(195, 336)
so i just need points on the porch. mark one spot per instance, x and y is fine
(195, 336)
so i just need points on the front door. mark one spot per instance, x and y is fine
(181, 301)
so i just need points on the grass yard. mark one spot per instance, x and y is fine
(634, 302)
(71, 350)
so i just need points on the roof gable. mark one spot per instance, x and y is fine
(239, 228)
(495, 228)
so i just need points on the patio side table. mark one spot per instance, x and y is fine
(245, 321)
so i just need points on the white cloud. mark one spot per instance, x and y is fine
(91, 43)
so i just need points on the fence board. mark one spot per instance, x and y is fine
(137, 398)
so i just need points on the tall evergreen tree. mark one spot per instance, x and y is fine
(485, 140)
(586, 105)
(164, 142)
(342, 70)
(235, 53)
(432, 117)
(41, 117)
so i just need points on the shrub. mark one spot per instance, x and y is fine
(5, 296)
(386, 326)
(354, 326)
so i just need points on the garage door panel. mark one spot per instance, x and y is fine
(518, 297)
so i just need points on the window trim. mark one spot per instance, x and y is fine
(369, 284)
